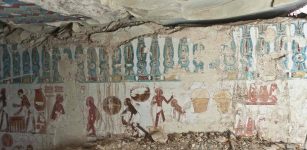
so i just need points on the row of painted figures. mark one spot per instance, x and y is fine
(129, 116)
(27, 119)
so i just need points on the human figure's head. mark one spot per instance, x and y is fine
(20, 92)
(274, 86)
(90, 101)
(59, 99)
(127, 101)
(158, 91)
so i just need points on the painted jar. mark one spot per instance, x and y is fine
(39, 100)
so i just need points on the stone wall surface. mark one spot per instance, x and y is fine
(248, 78)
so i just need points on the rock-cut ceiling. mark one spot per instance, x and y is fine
(164, 12)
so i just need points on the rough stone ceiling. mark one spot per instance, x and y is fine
(18, 12)
(170, 11)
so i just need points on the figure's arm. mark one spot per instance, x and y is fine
(167, 101)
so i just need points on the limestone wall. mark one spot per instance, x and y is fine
(249, 79)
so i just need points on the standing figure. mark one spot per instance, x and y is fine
(4, 114)
(92, 117)
(58, 108)
(158, 99)
(24, 107)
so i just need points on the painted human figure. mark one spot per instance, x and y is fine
(273, 93)
(91, 119)
(250, 126)
(4, 115)
(252, 93)
(239, 130)
(263, 94)
(177, 109)
(128, 117)
(25, 107)
(58, 108)
(158, 100)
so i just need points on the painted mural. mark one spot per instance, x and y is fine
(238, 99)
(244, 57)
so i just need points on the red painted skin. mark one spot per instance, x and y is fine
(252, 93)
(91, 116)
(250, 127)
(158, 99)
(57, 107)
(273, 88)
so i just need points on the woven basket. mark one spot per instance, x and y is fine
(200, 104)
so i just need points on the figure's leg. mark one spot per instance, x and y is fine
(33, 122)
(179, 114)
(93, 129)
(163, 117)
(1, 121)
(174, 113)
(157, 119)
(7, 121)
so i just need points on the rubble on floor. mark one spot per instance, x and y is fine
(191, 140)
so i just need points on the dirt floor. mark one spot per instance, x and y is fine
(185, 141)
